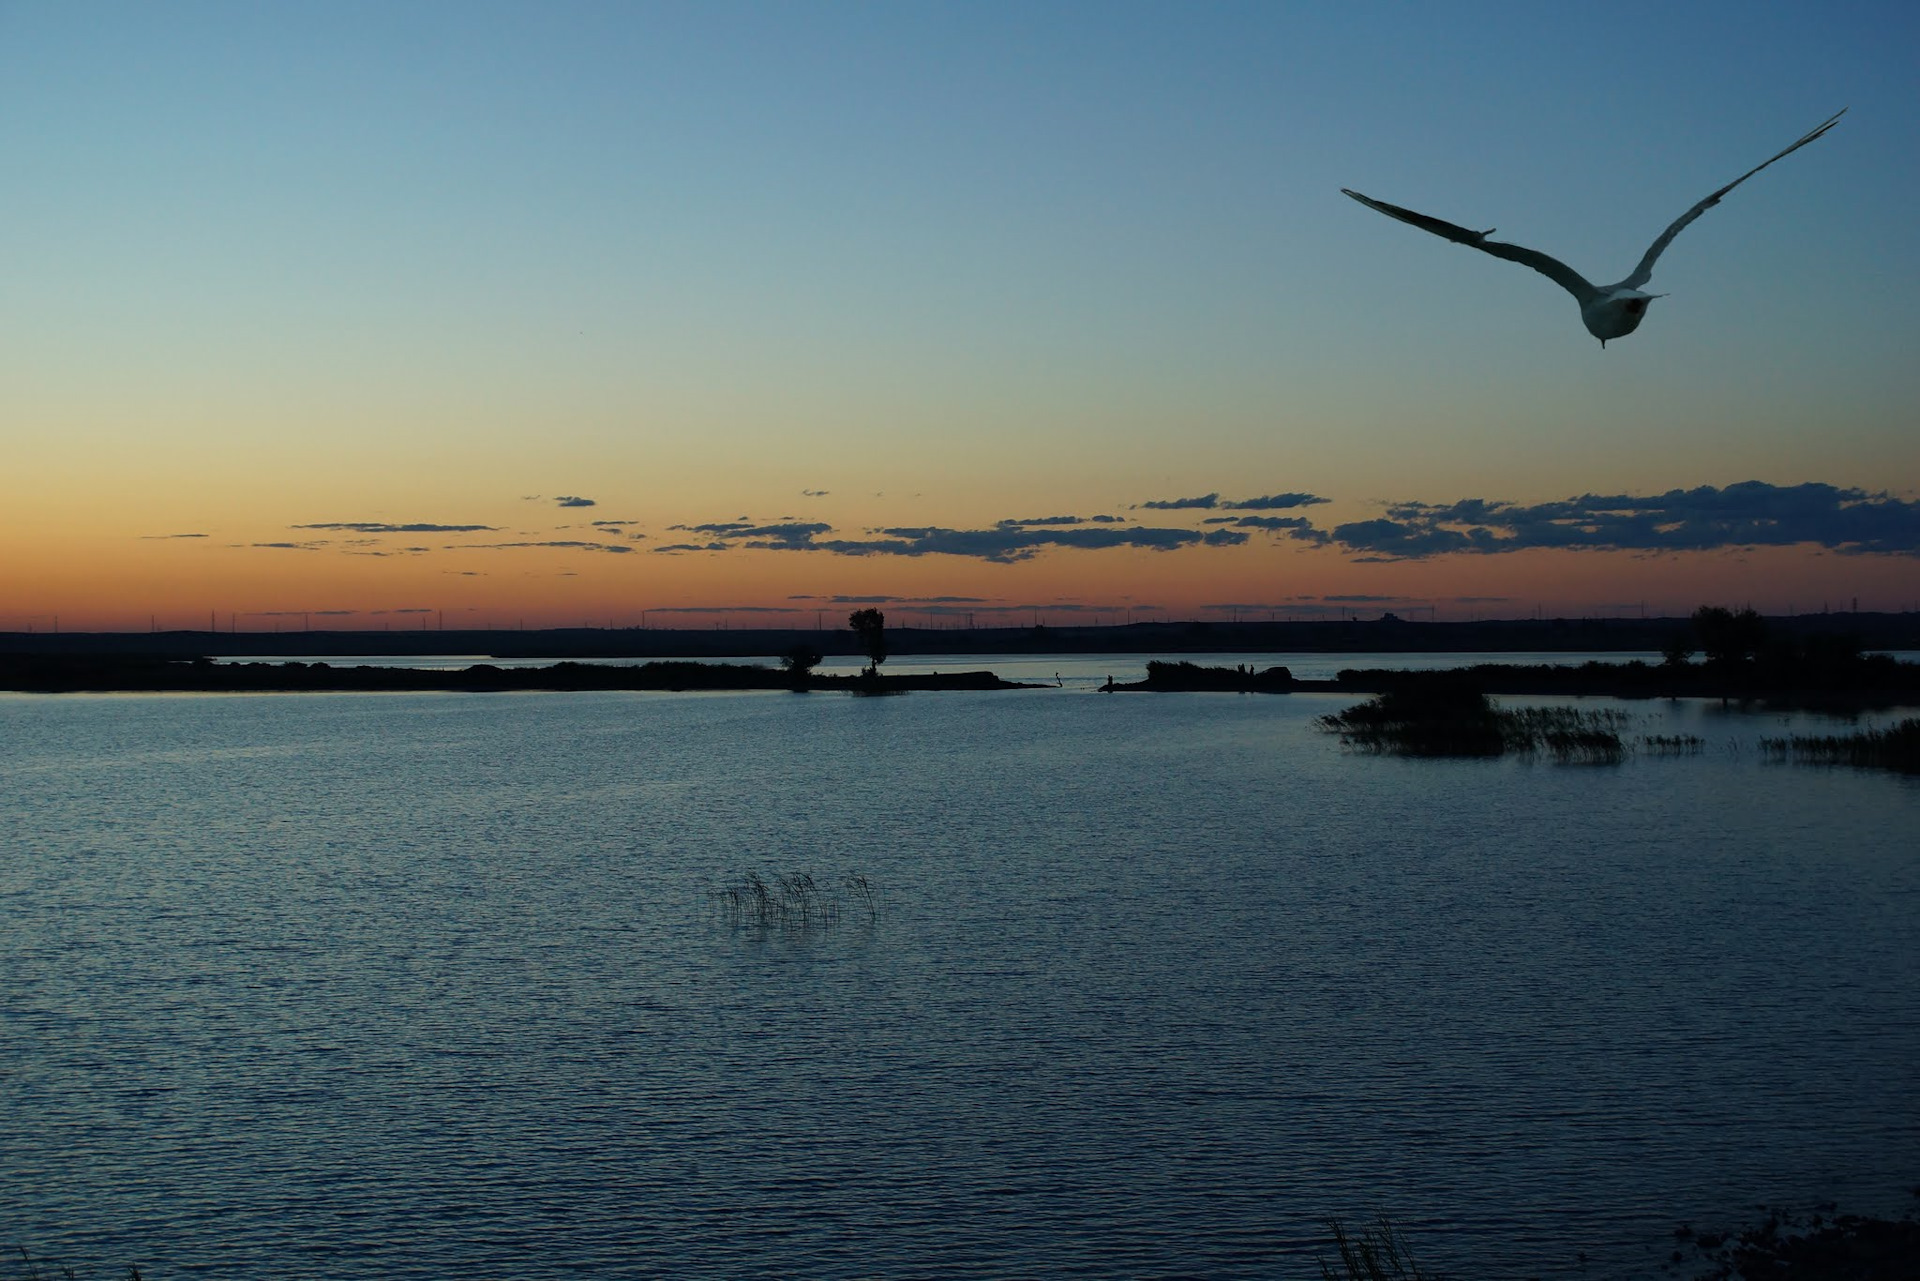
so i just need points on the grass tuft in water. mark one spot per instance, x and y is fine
(30, 1270)
(794, 902)
(1377, 1252)
(1443, 721)
(1897, 748)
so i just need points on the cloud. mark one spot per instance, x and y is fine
(815, 493)
(1392, 540)
(789, 531)
(1274, 502)
(1005, 545)
(613, 524)
(723, 535)
(1747, 514)
(1298, 528)
(381, 527)
(570, 500)
(1061, 520)
(577, 544)
(1207, 502)
(1005, 542)
(163, 537)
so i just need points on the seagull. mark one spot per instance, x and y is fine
(1610, 311)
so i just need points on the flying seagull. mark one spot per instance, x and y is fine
(1610, 311)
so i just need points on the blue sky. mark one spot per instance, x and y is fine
(928, 266)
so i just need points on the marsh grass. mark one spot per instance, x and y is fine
(1377, 1252)
(1897, 748)
(1445, 721)
(794, 902)
(30, 1270)
(1819, 1244)
(1672, 744)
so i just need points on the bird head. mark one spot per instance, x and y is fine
(1616, 313)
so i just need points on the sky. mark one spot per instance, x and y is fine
(477, 314)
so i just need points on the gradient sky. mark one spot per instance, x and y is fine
(364, 314)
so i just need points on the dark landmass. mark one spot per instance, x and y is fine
(68, 673)
(1816, 1246)
(1847, 682)
(1862, 682)
(1387, 634)
(1797, 661)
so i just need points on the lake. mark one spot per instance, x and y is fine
(420, 986)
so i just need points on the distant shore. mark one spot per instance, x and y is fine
(1849, 683)
(69, 673)
(1385, 634)
(1869, 681)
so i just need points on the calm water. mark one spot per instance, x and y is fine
(429, 986)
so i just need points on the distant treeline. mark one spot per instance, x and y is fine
(1387, 634)
(70, 673)
(1862, 680)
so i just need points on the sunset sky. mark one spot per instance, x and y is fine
(361, 313)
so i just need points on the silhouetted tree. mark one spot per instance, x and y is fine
(800, 661)
(871, 626)
(1727, 637)
(1678, 649)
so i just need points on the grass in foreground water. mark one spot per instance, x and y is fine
(1442, 721)
(794, 902)
(1897, 748)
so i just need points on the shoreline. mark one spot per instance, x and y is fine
(1862, 683)
(71, 674)
(1385, 634)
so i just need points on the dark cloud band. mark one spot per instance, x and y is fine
(1748, 514)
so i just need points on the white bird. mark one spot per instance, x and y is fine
(1610, 311)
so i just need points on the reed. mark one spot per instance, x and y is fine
(1453, 721)
(1672, 744)
(30, 1270)
(793, 902)
(1377, 1252)
(1895, 748)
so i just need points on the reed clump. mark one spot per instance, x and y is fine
(1459, 721)
(1377, 1252)
(31, 1270)
(1894, 748)
(794, 902)
(1672, 744)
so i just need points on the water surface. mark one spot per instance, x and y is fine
(424, 985)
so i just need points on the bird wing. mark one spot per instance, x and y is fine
(1644, 272)
(1552, 268)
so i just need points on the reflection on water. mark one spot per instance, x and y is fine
(417, 986)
